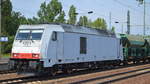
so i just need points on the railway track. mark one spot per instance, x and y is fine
(82, 77)
(104, 77)
(4, 69)
(6, 72)
(18, 80)
(114, 77)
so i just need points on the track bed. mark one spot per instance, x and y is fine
(117, 75)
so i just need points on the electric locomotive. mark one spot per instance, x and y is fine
(48, 48)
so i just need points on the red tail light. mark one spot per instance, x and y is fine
(25, 55)
(36, 55)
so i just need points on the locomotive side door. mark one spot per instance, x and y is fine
(59, 47)
(51, 49)
(56, 47)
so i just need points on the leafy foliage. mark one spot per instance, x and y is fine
(17, 19)
(83, 21)
(42, 13)
(61, 18)
(99, 24)
(6, 9)
(72, 15)
(113, 29)
(49, 12)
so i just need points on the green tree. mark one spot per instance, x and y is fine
(72, 15)
(42, 13)
(90, 23)
(22, 20)
(99, 24)
(61, 18)
(49, 12)
(80, 22)
(113, 29)
(33, 20)
(17, 19)
(83, 21)
(6, 9)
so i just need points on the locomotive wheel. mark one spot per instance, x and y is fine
(68, 71)
(53, 72)
(144, 61)
(125, 63)
(134, 62)
(147, 61)
(138, 62)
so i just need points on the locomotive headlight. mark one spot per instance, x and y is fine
(35, 55)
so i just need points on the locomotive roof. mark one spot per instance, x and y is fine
(88, 30)
(72, 28)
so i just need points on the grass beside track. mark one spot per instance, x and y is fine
(5, 55)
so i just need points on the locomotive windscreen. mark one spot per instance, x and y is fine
(29, 35)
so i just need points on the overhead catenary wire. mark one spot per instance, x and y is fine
(139, 11)
(131, 7)
(84, 11)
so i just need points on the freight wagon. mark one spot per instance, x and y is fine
(134, 48)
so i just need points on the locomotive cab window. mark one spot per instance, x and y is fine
(54, 36)
(24, 34)
(36, 34)
(83, 45)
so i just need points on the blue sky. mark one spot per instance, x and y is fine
(101, 8)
